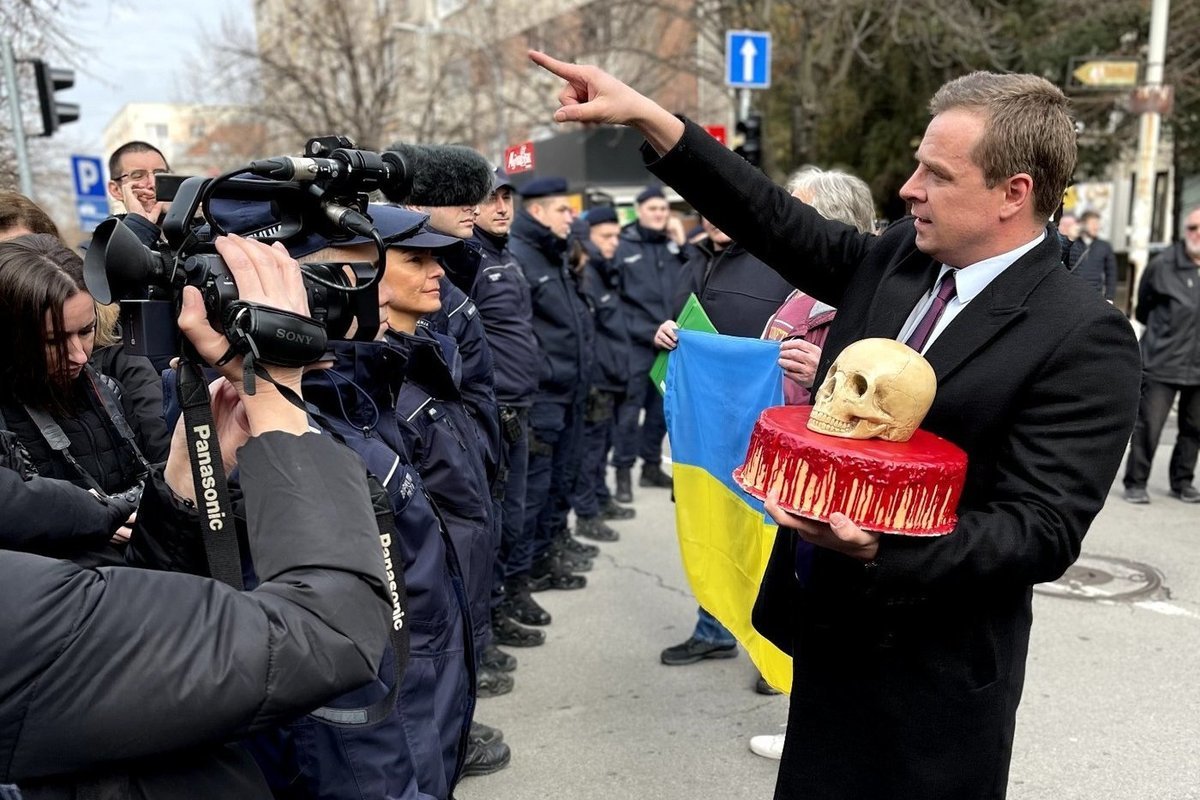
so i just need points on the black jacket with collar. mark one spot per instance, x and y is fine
(648, 264)
(502, 296)
(1169, 306)
(738, 292)
(561, 319)
(919, 658)
(612, 332)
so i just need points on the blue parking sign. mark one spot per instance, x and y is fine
(91, 200)
(89, 176)
(748, 59)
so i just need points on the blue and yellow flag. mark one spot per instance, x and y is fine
(716, 388)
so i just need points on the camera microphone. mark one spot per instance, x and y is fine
(442, 175)
(288, 168)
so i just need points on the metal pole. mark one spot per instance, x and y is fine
(1147, 159)
(743, 104)
(18, 122)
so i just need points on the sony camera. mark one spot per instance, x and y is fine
(323, 193)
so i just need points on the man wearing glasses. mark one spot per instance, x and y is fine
(133, 167)
(1169, 306)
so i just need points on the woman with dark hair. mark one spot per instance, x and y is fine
(61, 420)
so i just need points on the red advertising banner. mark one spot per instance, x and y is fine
(519, 158)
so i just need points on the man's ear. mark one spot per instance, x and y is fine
(1018, 195)
(114, 191)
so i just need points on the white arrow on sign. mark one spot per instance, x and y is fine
(748, 52)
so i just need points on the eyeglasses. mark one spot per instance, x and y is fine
(139, 175)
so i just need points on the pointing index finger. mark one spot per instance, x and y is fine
(562, 69)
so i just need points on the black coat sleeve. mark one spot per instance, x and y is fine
(812, 253)
(1110, 273)
(44, 511)
(119, 663)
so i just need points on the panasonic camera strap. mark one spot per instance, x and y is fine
(217, 526)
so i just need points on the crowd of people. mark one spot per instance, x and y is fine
(473, 436)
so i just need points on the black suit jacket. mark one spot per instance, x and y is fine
(908, 671)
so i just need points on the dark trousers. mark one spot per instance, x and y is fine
(555, 433)
(599, 422)
(1153, 410)
(634, 437)
(516, 549)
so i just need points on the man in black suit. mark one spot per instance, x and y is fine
(909, 653)
(1092, 258)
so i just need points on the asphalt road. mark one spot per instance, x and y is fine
(1111, 709)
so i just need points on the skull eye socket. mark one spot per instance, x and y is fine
(857, 384)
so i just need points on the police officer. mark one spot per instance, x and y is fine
(593, 502)
(561, 322)
(648, 261)
(502, 296)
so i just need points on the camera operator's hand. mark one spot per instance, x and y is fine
(270, 277)
(125, 531)
(232, 425)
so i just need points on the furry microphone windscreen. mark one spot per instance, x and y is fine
(443, 175)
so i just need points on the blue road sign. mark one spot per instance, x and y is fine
(748, 59)
(91, 201)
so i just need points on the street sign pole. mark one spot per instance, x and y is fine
(18, 122)
(1147, 161)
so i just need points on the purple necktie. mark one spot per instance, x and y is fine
(945, 293)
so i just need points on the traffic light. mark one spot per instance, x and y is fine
(750, 131)
(51, 80)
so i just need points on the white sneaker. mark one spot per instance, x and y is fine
(767, 746)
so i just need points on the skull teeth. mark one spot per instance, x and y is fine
(822, 421)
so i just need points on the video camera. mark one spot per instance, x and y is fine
(323, 193)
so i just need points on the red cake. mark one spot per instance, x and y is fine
(908, 487)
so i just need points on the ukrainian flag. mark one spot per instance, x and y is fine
(716, 388)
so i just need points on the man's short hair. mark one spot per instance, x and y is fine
(1028, 128)
(114, 161)
(1089, 214)
(18, 211)
(836, 195)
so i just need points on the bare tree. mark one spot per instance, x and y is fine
(37, 29)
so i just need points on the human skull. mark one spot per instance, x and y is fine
(877, 388)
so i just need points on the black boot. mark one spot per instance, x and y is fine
(485, 734)
(594, 528)
(570, 561)
(496, 659)
(654, 478)
(519, 605)
(575, 547)
(624, 485)
(550, 573)
(485, 759)
(490, 683)
(507, 632)
(614, 511)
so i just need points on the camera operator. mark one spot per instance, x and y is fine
(124, 682)
(60, 418)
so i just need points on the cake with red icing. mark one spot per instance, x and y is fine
(908, 487)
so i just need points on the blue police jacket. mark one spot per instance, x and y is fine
(416, 753)
(648, 264)
(506, 307)
(612, 368)
(560, 315)
(437, 429)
